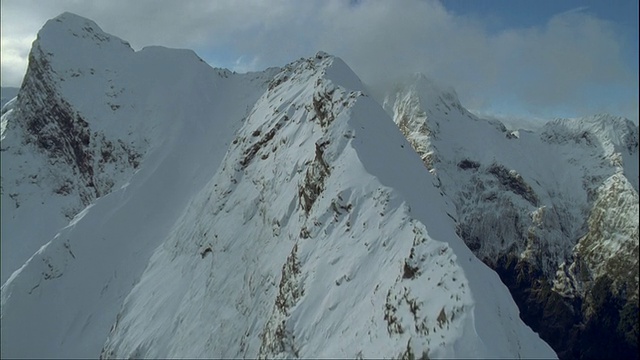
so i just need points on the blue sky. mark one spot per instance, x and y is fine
(501, 14)
(528, 59)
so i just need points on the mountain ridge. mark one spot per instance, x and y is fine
(317, 208)
(296, 183)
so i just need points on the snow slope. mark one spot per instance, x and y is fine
(171, 99)
(288, 219)
(320, 208)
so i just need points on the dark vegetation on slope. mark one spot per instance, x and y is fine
(608, 331)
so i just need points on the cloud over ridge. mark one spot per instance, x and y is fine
(573, 63)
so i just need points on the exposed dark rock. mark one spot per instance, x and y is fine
(52, 125)
(513, 182)
(323, 106)
(313, 183)
(393, 323)
(49, 123)
(276, 338)
(206, 251)
(537, 303)
(408, 271)
(277, 81)
(468, 164)
(610, 329)
(251, 152)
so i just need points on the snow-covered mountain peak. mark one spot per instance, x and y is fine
(435, 98)
(322, 65)
(56, 30)
(66, 39)
(95, 108)
(283, 214)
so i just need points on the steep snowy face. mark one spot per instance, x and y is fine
(89, 111)
(64, 155)
(176, 114)
(551, 210)
(320, 236)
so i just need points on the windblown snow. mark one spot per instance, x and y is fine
(273, 214)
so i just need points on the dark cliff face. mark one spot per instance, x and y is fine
(599, 325)
(57, 130)
(51, 124)
(598, 318)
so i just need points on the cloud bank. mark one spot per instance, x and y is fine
(573, 64)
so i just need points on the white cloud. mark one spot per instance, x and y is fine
(569, 64)
(14, 53)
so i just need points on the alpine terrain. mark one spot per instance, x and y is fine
(554, 212)
(156, 207)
